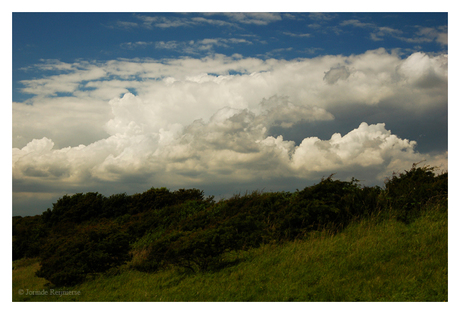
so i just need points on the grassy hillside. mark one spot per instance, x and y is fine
(380, 258)
(333, 241)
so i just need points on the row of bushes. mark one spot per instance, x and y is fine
(88, 233)
(29, 233)
(251, 220)
(92, 206)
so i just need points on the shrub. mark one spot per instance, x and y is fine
(67, 261)
(408, 192)
(194, 250)
(183, 195)
(328, 204)
(154, 198)
(115, 205)
(74, 209)
(28, 233)
(196, 243)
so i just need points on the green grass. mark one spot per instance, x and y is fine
(371, 260)
(24, 278)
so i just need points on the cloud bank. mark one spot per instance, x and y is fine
(220, 121)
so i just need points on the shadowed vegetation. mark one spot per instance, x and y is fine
(333, 241)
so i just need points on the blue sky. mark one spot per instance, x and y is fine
(101, 36)
(224, 102)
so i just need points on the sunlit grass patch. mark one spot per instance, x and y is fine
(24, 279)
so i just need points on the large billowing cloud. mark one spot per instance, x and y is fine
(127, 125)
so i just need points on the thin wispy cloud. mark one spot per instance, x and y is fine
(424, 34)
(296, 35)
(136, 45)
(428, 34)
(188, 47)
(127, 25)
(168, 21)
(356, 23)
(163, 21)
(208, 21)
(322, 16)
(380, 33)
(259, 18)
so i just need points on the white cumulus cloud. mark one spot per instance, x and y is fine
(127, 125)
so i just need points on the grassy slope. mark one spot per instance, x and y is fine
(369, 261)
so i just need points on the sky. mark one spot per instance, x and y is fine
(224, 102)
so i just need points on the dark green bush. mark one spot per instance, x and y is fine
(408, 192)
(329, 204)
(75, 209)
(183, 195)
(28, 233)
(115, 205)
(92, 249)
(194, 250)
(154, 198)
(189, 203)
